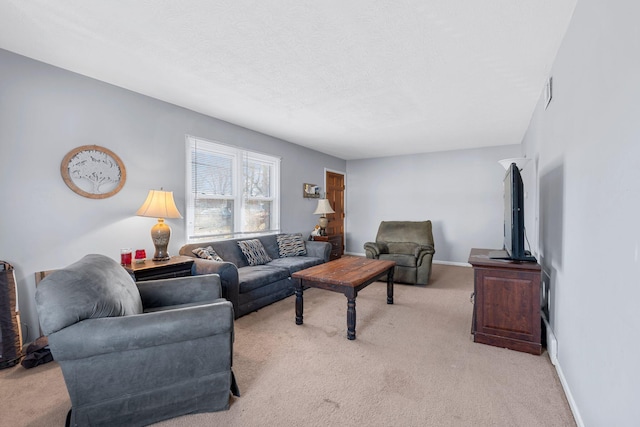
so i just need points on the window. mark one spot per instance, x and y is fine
(230, 191)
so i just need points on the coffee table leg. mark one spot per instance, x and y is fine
(351, 318)
(299, 305)
(390, 286)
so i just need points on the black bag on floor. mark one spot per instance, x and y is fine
(10, 345)
(38, 353)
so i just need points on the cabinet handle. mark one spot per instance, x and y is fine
(472, 297)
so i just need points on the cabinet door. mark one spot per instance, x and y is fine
(507, 308)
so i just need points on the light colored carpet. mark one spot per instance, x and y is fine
(413, 363)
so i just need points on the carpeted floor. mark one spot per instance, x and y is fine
(413, 363)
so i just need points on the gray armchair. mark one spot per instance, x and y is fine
(134, 355)
(410, 245)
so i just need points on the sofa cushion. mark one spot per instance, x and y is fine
(254, 277)
(270, 244)
(290, 245)
(96, 286)
(207, 253)
(254, 252)
(229, 251)
(297, 263)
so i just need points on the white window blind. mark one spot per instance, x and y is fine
(230, 191)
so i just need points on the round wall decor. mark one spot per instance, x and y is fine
(93, 171)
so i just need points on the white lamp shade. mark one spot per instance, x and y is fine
(159, 204)
(323, 207)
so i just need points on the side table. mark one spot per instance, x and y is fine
(337, 247)
(177, 266)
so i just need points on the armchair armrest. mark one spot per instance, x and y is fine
(179, 290)
(104, 335)
(426, 249)
(374, 249)
(228, 273)
(422, 251)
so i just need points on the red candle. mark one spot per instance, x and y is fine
(141, 255)
(125, 256)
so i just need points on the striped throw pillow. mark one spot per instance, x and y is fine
(207, 253)
(291, 245)
(254, 252)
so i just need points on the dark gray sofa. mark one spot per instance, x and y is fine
(252, 287)
(134, 355)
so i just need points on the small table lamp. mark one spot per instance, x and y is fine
(160, 204)
(322, 209)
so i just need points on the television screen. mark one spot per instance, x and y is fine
(513, 213)
(514, 237)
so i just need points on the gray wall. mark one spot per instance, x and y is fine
(45, 112)
(586, 146)
(461, 192)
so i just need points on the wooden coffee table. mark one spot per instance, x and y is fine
(347, 275)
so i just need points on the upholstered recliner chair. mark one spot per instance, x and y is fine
(134, 354)
(410, 245)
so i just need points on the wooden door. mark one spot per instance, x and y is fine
(335, 195)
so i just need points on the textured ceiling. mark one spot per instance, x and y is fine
(354, 79)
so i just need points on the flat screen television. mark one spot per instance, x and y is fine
(514, 238)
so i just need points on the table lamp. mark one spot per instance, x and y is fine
(322, 209)
(160, 204)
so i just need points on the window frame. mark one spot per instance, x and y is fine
(238, 156)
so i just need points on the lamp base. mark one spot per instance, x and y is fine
(323, 221)
(160, 234)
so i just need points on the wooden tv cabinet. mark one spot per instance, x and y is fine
(506, 311)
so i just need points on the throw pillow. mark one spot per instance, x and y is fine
(254, 252)
(207, 253)
(291, 245)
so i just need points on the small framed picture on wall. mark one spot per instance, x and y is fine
(310, 191)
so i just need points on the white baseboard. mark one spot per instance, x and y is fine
(459, 264)
(552, 350)
(362, 254)
(570, 399)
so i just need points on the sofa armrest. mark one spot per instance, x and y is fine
(179, 290)
(105, 335)
(228, 273)
(318, 249)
